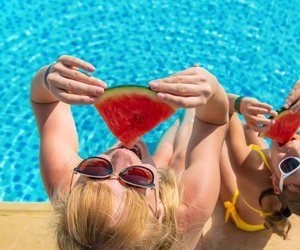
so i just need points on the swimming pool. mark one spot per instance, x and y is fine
(251, 46)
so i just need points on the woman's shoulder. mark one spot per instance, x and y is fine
(58, 176)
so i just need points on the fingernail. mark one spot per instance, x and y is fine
(92, 68)
(153, 84)
(273, 113)
(103, 84)
(92, 100)
(161, 96)
(99, 91)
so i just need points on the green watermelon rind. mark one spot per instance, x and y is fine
(130, 89)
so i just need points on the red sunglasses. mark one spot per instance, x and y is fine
(101, 168)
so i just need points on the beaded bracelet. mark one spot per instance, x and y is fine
(237, 104)
(45, 76)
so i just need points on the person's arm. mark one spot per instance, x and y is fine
(293, 98)
(253, 111)
(58, 136)
(196, 87)
(201, 179)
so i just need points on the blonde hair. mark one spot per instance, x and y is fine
(85, 217)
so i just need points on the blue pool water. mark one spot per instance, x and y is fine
(251, 46)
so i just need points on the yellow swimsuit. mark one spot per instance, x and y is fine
(231, 210)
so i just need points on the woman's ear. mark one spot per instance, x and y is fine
(275, 182)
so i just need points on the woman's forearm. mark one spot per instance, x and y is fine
(38, 91)
(232, 98)
(215, 111)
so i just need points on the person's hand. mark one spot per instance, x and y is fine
(188, 89)
(254, 113)
(293, 97)
(71, 86)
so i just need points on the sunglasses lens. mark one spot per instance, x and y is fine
(138, 175)
(96, 167)
(289, 164)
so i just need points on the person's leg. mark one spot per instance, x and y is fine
(228, 178)
(171, 149)
(234, 151)
(181, 141)
(165, 148)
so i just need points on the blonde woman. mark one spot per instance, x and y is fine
(120, 199)
(260, 186)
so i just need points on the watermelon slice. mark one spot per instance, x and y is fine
(132, 111)
(285, 127)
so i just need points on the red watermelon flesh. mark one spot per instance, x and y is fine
(132, 111)
(285, 127)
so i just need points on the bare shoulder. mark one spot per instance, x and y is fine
(57, 174)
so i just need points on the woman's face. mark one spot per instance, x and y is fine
(278, 153)
(121, 158)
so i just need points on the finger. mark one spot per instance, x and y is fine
(202, 73)
(70, 98)
(175, 79)
(293, 96)
(261, 120)
(74, 86)
(71, 61)
(273, 113)
(263, 105)
(78, 76)
(195, 70)
(165, 83)
(180, 101)
(183, 89)
(190, 71)
(295, 108)
(257, 128)
(263, 111)
(290, 100)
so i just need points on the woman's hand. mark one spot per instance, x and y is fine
(71, 86)
(294, 97)
(254, 113)
(188, 89)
